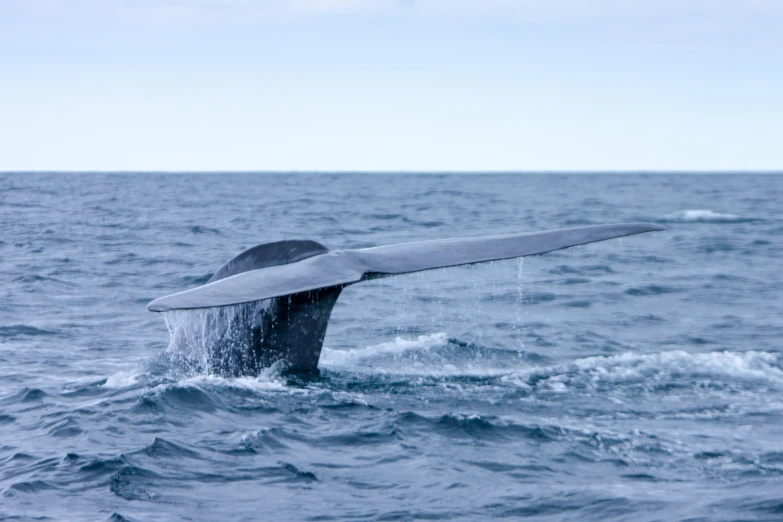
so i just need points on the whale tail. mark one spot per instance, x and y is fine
(290, 328)
(288, 288)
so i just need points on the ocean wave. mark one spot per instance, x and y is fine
(206, 389)
(34, 486)
(164, 449)
(265, 440)
(18, 330)
(133, 483)
(26, 395)
(653, 369)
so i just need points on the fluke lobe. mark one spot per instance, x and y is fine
(287, 289)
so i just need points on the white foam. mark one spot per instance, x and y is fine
(123, 379)
(255, 434)
(395, 347)
(701, 216)
(658, 367)
(266, 382)
(350, 398)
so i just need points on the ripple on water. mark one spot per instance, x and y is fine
(652, 290)
(161, 448)
(12, 331)
(116, 517)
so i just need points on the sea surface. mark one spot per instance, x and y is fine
(635, 379)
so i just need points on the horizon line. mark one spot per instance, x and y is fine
(394, 171)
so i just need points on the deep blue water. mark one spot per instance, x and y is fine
(635, 379)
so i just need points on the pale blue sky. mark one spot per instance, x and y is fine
(391, 85)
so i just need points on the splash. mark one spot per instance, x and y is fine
(123, 379)
(215, 341)
(702, 216)
(392, 348)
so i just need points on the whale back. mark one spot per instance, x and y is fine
(270, 254)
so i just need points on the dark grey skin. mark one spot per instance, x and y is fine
(303, 280)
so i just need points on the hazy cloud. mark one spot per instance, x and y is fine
(275, 10)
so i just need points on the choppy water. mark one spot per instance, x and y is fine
(636, 379)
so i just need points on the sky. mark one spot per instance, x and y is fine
(391, 85)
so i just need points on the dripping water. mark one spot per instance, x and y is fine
(218, 340)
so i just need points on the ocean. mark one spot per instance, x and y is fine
(635, 379)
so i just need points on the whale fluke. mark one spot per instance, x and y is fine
(303, 280)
